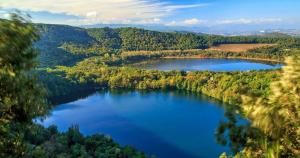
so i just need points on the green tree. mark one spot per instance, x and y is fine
(21, 98)
(277, 116)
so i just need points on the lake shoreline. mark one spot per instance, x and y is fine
(207, 64)
(204, 57)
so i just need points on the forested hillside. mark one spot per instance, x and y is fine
(51, 38)
(66, 45)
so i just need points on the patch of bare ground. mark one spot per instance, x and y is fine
(238, 47)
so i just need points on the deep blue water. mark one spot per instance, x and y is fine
(165, 124)
(208, 64)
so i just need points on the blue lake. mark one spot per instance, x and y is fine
(169, 124)
(207, 64)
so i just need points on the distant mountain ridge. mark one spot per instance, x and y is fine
(216, 30)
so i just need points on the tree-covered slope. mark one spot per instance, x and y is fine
(52, 37)
(66, 45)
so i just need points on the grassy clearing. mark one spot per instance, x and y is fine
(238, 47)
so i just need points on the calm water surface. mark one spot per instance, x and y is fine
(166, 124)
(207, 64)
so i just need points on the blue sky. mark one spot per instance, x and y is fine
(163, 12)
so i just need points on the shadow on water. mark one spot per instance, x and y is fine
(82, 94)
(152, 143)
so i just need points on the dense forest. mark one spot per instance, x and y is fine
(92, 59)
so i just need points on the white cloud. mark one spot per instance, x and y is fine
(149, 21)
(249, 21)
(175, 7)
(172, 23)
(193, 21)
(91, 14)
(95, 11)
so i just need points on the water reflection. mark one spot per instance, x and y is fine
(71, 97)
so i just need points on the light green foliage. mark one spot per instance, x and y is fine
(82, 50)
(277, 116)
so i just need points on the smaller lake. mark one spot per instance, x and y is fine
(207, 64)
(166, 124)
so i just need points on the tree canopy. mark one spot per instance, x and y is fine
(21, 98)
(277, 116)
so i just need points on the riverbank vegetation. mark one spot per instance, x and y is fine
(226, 86)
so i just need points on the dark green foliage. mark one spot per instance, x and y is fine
(140, 39)
(108, 38)
(60, 89)
(21, 98)
(233, 133)
(49, 143)
(57, 33)
(53, 36)
(107, 41)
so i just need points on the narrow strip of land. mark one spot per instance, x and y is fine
(229, 51)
